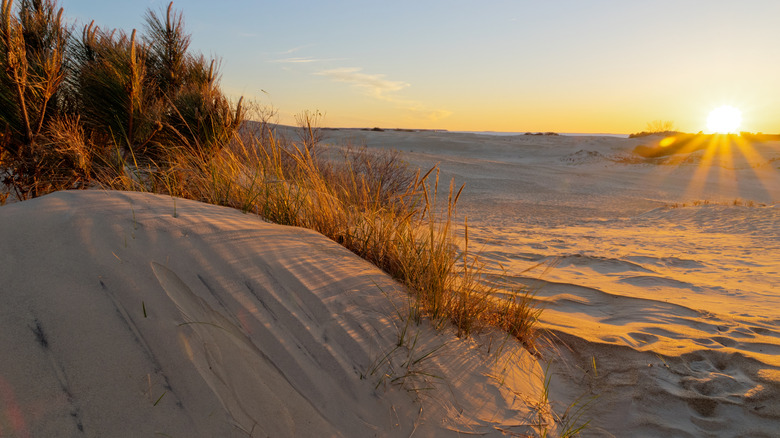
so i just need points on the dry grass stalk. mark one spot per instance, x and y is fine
(416, 244)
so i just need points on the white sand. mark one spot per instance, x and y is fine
(128, 314)
(678, 309)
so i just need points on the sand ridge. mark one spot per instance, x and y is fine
(132, 314)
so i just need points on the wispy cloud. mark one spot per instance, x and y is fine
(431, 114)
(294, 60)
(295, 49)
(373, 84)
(300, 59)
(377, 86)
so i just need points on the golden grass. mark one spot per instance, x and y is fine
(405, 232)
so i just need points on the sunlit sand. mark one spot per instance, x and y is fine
(660, 278)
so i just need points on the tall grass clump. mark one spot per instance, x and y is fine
(32, 57)
(657, 127)
(149, 96)
(197, 113)
(121, 97)
(111, 90)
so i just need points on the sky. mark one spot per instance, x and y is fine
(584, 66)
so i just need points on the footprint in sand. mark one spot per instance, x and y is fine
(714, 385)
(703, 406)
(713, 380)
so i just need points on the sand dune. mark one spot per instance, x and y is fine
(129, 314)
(667, 320)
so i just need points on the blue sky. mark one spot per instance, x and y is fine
(568, 66)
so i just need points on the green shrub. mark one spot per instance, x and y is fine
(111, 89)
(144, 99)
(32, 50)
(197, 114)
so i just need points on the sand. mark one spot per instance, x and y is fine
(663, 321)
(128, 314)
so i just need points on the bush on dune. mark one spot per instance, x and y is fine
(32, 70)
(657, 127)
(123, 95)
(153, 97)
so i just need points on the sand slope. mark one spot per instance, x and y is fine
(128, 314)
(667, 320)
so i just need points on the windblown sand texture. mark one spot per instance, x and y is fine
(130, 314)
(666, 320)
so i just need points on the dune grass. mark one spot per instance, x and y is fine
(369, 202)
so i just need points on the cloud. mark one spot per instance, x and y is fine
(419, 110)
(295, 60)
(295, 49)
(376, 86)
(434, 115)
(302, 60)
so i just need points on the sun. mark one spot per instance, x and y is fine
(724, 120)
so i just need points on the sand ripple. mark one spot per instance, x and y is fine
(677, 309)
